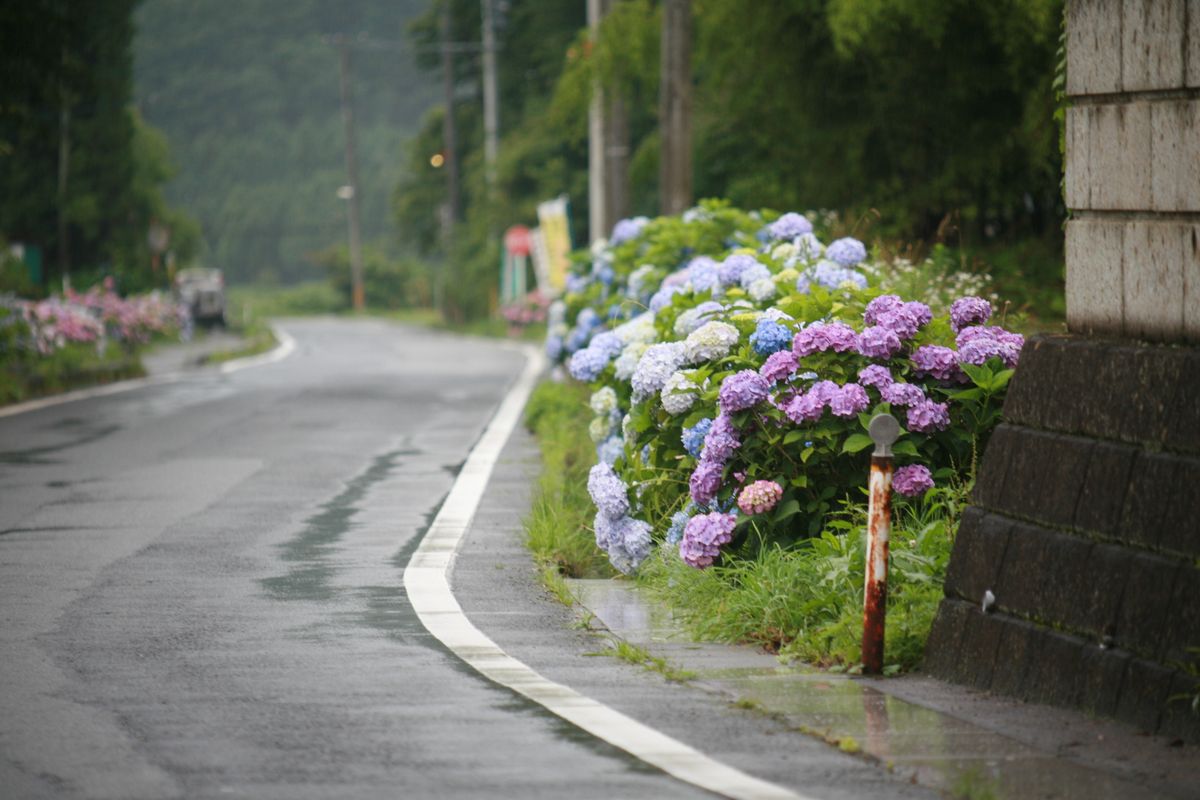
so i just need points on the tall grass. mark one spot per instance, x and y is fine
(558, 529)
(806, 602)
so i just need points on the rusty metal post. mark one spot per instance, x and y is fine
(884, 430)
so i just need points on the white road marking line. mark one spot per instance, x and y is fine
(427, 584)
(281, 351)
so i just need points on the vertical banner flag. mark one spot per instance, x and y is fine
(555, 230)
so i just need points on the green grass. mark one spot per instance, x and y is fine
(558, 528)
(806, 602)
(640, 657)
(74, 366)
(248, 303)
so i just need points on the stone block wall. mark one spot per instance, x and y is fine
(1085, 523)
(1085, 527)
(1133, 168)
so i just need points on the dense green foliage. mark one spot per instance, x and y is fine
(931, 121)
(248, 94)
(66, 69)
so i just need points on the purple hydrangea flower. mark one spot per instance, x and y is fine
(705, 482)
(731, 269)
(875, 375)
(693, 437)
(779, 366)
(940, 362)
(878, 342)
(846, 252)
(759, 497)
(607, 491)
(849, 400)
(789, 226)
(979, 343)
(969, 311)
(770, 336)
(903, 394)
(807, 407)
(820, 336)
(703, 537)
(743, 390)
(928, 416)
(881, 305)
(721, 440)
(913, 480)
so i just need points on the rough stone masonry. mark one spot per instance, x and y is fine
(1085, 521)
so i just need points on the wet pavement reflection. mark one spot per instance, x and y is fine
(920, 744)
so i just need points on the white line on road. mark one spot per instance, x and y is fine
(427, 584)
(281, 351)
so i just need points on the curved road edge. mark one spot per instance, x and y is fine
(286, 345)
(427, 585)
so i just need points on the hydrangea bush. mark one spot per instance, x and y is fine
(736, 360)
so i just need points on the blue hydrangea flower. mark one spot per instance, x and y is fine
(587, 364)
(662, 298)
(789, 226)
(679, 521)
(847, 251)
(610, 450)
(770, 337)
(607, 491)
(627, 229)
(693, 437)
(752, 273)
(554, 347)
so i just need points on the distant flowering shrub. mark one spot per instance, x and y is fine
(736, 360)
(96, 317)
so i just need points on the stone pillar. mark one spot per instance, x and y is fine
(1084, 522)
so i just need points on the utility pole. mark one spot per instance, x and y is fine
(675, 107)
(491, 98)
(450, 156)
(616, 155)
(64, 171)
(356, 266)
(598, 222)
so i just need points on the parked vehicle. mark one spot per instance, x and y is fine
(202, 290)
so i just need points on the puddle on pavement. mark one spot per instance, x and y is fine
(310, 550)
(917, 743)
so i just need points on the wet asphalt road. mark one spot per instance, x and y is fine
(201, 596)
(200, 589)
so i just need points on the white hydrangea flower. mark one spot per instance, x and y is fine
(627, 362)
(709, 342)
(678, 394)
(783, 251)
(637, 278)
(600, 429)
(762, 290)
(638, 329)
(627, 427)
(808, 247)
(603, 401)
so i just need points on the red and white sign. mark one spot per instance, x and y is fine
(517, 241)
